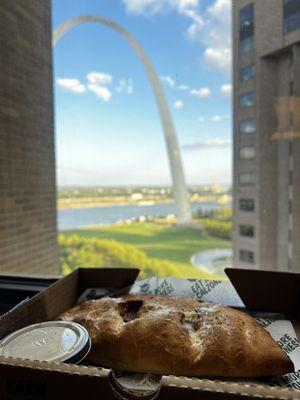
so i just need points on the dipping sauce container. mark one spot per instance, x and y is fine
(56, 341)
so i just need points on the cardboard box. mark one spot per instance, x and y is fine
(25, 379)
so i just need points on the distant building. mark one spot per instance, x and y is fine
(266, 73)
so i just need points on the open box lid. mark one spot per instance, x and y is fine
(272, 291)
(34, 379)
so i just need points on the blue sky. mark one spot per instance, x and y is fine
(107, 126)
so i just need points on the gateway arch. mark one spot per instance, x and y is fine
(180, 193)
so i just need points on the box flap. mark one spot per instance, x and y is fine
(107, 277)
(271, 291)
(48, 305)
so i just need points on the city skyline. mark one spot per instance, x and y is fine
(103, 106)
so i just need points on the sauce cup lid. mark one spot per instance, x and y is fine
(56, 341)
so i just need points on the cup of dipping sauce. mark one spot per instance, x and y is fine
(54, 341)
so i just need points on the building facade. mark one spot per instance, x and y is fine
(28, 243)
(266, 104)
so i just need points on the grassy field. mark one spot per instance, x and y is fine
(157, 241)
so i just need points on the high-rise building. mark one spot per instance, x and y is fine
(266, 74)
(28, 243)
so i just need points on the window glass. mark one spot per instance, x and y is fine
(247, 256)
(246, 31)
(247, 100)
(247, 205)
(247, 231)
(247, 73)
(247, 16)
(246, 44)
(247, 179)
(120, 124)
(130, 123)
(291, 15)
(247, 126)
(247, 153)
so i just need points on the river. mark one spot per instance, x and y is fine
(96, 216)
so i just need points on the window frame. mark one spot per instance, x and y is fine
(250, 146)
(243, 122)
(243, 232)
(246, 28)
(245, 95)
(247, 183)
(245, 200)
(247, 67)
(248, 260)
(291, 14)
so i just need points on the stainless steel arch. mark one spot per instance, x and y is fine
(180, 193)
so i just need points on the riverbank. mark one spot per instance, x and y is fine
(93, 202)
(75, 218)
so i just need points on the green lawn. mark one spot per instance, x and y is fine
(157, 240)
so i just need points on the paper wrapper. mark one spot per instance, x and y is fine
(224, 293)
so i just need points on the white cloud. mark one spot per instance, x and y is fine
(129, 88)
(168, 80)
(70, 85)
(99, 78)
(220, 9)
(125, 85)
(201, 92)
(211, 26)
(226, 89)
(217, 36)
(187, 3)
(216, 118)
(121, 85)
(151, 7)
(100, 91)
(201, 119)
(183, 87)
(213, 29)
(195, 29)
(178, 104)
(187, 8)
(208, 144)
(146, 7)
(218, 57)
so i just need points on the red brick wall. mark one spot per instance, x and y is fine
(27, 170)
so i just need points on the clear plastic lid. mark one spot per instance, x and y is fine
(56, 341)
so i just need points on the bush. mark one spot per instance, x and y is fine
(219, 229)
(77, 252)
(225, 214)
(221, 214)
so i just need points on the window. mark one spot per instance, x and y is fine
(105, 190)
(247, 100)
(247, 45)
(102, 159)
(291, 15)
(247, 231)
(247, 179)
(247, 73)
(247, 153)
(247, 256)
(246, 28)
(247, 205)
(247, 19)
(247, 126)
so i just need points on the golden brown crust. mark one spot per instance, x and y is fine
(178, 335)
